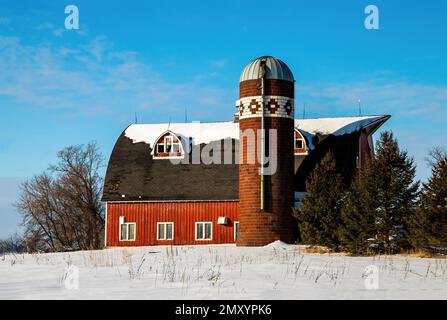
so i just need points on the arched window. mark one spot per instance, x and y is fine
(168, 145)
(300, 146)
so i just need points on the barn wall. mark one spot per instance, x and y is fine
(183, 214)
(345, 149)
(364, 150)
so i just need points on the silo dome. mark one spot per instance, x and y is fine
(275, 69)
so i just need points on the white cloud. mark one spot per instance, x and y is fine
(94, 78)
(44, 26)
(59, 32)
(391, 96)
(218, 63)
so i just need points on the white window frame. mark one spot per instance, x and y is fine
(134, 234)
(171, 138)
(204, 223)
(163, 142)
(234, 226)
(165, 223)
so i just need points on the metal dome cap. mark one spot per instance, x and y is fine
(275, 69)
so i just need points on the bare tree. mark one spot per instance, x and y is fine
(14, 244)
(61, 208)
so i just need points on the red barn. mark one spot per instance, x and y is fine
(227, 182)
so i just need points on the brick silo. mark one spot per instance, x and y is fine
(266, 199)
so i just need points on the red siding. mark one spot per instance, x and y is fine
(302, 150)
(183, 214)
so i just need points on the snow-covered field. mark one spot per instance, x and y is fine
(277, 271)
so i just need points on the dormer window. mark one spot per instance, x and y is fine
(168, 145)
(300, 147)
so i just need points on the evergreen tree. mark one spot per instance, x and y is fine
(320, 212)
(429, 226)
(358, 214)
(381, 201)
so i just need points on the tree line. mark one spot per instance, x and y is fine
(383, 210)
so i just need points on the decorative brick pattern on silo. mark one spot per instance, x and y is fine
(260, 227)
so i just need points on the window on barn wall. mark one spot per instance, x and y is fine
(236, 230)
(300, 147)
(204, 231)
(168, 145)
(165, 231)
(127, 231)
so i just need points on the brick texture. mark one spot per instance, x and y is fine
(275, 222)
(273, 87)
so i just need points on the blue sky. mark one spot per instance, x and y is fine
(60, 87)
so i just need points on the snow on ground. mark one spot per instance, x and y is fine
(276, 271)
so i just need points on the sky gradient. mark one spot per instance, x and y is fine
(61, 87)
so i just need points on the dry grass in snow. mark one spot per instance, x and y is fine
(277, 271)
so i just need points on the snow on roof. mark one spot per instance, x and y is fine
(198, 131)
(214, 131)
(336, 126)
